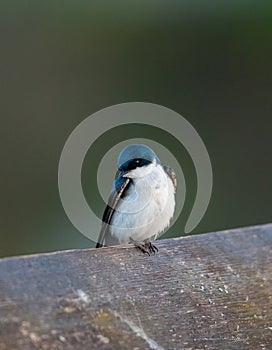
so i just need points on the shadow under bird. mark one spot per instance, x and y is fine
(142, 200)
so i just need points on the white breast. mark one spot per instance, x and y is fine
(147, 209)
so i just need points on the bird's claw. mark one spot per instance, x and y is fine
(142, 248)
(146, 247)
(151, 247)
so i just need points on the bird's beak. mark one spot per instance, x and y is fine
(121, 173)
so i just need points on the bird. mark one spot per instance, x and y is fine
(141, 202)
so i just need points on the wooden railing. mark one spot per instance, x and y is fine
(209, 291)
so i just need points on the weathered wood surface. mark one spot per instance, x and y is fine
(211, 291)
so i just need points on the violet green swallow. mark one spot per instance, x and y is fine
(142, 201)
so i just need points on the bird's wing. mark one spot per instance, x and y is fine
(120, 186)
(170, 172)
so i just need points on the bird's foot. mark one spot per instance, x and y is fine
(146, 247)
(150, 246)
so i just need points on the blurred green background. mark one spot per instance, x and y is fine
(62, 61)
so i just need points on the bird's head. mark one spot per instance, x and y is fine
(135, 160)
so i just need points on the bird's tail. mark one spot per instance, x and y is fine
(99, 245)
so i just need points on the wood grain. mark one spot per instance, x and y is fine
(210, 291)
